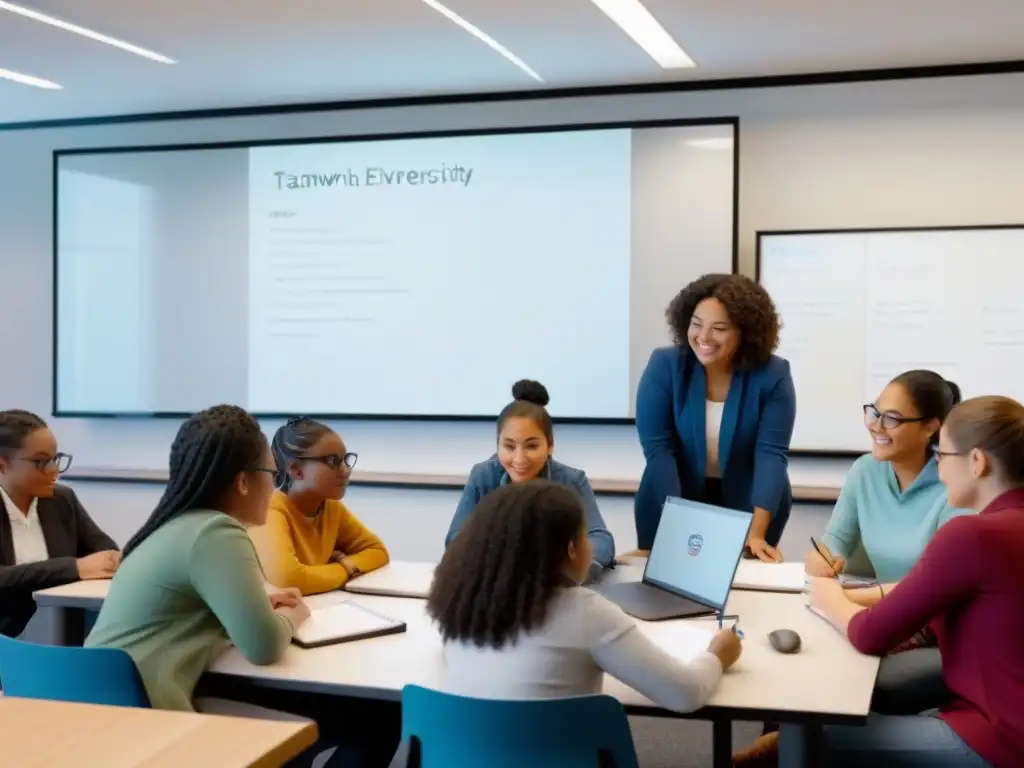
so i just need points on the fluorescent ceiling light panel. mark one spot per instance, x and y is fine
(18, 77)
(483, 37)
(43, 18)
(636, 21)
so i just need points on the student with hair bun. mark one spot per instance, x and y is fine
(311, 541)
(526, 442)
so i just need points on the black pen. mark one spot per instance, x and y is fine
(823, 557)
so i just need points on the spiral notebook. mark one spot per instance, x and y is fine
(343, 623)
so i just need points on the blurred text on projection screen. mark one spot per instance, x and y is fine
(405, 277)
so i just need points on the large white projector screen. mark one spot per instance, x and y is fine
(398, 277)
(858, 308)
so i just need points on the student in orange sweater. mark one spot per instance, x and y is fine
(311, 541)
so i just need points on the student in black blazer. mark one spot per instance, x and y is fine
(46, 536)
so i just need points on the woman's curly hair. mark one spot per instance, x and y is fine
(750, 309)
(499, 575)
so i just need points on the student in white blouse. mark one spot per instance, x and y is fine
(517, 625)
(46, 536)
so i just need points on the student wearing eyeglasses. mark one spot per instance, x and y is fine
(892, 502)
(311, 541)
(46, 536)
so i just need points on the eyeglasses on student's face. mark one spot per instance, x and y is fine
(59, 461)
(939, 454)
(887, 420)
(334, 461)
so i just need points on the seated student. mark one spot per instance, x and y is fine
(892, 502)
(525, 443)
(311, 541)
(517, 625)
(189, 581)
(967, 586)
(46, 536)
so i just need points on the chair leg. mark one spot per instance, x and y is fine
(408, 755)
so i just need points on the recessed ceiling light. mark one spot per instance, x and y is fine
(637, 22)
(28, 13)
(18, 77)
(483, 37)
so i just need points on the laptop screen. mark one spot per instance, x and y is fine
(696, 550)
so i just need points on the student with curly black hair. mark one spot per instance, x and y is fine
(715, 412)
(526, 442)
(46, 536)
(517, 625)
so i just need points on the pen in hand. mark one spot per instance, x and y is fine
(824, 557)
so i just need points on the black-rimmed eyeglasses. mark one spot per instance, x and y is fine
(59, 461)
(938, 453)
(887, 420)
(334, 461)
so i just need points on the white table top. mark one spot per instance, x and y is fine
(828, 677)
(397, 579)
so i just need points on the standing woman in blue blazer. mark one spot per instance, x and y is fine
(715, 412)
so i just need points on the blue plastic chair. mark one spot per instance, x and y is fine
(60, 673)
(440, 730)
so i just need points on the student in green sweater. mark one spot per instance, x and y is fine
(190, 581)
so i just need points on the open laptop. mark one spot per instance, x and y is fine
(691, 566)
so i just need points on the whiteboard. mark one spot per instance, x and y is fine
(860, 307)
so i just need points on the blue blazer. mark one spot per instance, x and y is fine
(753, 444)
(490, 475)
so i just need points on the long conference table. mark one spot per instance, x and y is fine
(827, 682)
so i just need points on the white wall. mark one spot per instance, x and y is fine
(885, 154)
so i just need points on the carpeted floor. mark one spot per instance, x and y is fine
(667, 743)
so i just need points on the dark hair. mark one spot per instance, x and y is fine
(208, 452)
(750, 309)
(932, 395)
(994, 425)
(293, 441)
(15, 426)
(498, 577)
(529, 399)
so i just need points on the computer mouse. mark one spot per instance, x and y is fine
(784, 640)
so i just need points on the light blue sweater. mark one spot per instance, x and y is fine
(893, 526)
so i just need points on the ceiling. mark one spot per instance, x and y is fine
(261, 52)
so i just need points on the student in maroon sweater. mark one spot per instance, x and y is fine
(968, 587)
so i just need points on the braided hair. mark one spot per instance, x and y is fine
(500, 574)
(15, 426)
(209, 451)
(291, 442)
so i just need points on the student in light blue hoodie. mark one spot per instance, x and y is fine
(525, 444)
(892, 502)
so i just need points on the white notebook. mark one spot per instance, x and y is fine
(769, 577)
(343, 623)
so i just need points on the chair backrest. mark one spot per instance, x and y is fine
(59, 673)
(448, 731)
